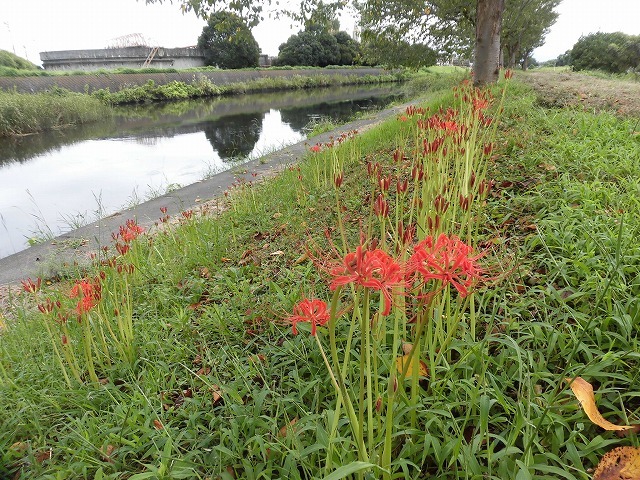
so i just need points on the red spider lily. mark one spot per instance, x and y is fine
(316, 148)
(48, 306)
(89, 294)
(30, 286)
(449, 260)
(373, 269)
(338, 179)
(508, 74)
(312, 311)
(381, 207)
(122, 248)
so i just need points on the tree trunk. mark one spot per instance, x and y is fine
(486, 67)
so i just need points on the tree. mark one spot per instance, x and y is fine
(612, 52)
(452, 22)
(227, 42)
(314, 47)
(379, 50)
(525, 23)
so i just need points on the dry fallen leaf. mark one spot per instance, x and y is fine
(622, 463)
(157, 424)
(107, 452)
(19, 447)
(216, 393)
(401, 361)
(288, 428)
(583, 391)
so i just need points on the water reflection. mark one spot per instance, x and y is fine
(234, 136)
(51, 182)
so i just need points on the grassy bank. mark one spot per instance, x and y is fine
(22, 114)
(201, 376)
(31, 113)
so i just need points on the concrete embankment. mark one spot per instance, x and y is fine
(118, 81)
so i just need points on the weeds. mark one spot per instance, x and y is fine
(219, 387)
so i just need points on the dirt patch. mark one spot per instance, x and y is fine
(564, 89)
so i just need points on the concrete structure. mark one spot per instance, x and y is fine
(131, 57)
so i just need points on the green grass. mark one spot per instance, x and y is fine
(22, 113)
(210, 294)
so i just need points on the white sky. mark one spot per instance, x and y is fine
(32, 26)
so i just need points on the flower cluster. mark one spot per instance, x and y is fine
(88, 292)
(312, 311)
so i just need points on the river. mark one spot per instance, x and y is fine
(54, 182)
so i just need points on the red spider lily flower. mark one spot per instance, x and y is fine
(89, 294)
(316, 148)
(373, 269)
(312, 311)
(122, 248)
(449, 260)
(30, 286)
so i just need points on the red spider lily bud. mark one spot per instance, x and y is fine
(397, 155)
(409, 233)
(464, 202)
(64, 340)
(105, 249)
(385, 183)
(103, 275)
(163, 210)
(472, 180)
(378, 404)
(488, 148)
(122, 248)
(92, 256)
(444, 151)
(373, 244)
(30, 286)
(130, 268)
(187, 214)
(434, 224)
(119, 269)
(116, 312)
(46, 307)
(440, 204)
(62, 319)
(401, 187)
(508, 74)
(337, 180)
(417, 173)
(381, 207)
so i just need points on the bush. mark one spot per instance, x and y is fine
(612, 52)
(316, 47)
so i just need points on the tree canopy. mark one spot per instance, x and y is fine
(614, 52)
(446, 26)
(227, 42)
(316, 47)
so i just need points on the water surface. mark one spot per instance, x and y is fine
(53, 182)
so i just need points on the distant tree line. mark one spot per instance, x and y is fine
(614, 52)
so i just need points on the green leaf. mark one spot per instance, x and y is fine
(349, 469)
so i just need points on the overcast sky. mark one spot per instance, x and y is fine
(32, 26)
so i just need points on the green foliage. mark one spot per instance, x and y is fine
(379, 50)
(28, 113)
(12, 61)
(228, 43)
(612, 52)
(316, 47)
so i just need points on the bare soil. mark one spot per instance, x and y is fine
(569, 89)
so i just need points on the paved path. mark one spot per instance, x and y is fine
(46, 259)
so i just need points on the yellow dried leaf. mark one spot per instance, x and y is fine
(402, 361)
(622, 463)
(583, 391)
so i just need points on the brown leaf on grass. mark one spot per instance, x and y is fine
(205, 273)
(157, 424)
(288, 428)
(583, 391)
(107, 452)
(44, 455)
(19, 447)
(622, 463)
(402, 361)
(216, 394)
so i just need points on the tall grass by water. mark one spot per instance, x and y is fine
(174, 356)
(30, 113)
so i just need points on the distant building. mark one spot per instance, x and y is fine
(122, 57)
